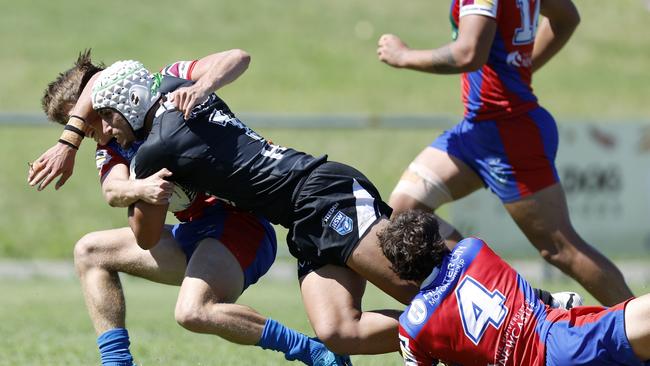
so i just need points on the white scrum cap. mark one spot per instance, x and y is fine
(127, 87)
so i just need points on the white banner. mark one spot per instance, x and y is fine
(605, 172)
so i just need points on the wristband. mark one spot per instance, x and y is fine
(73, 132)
(64, 142)
(83, 120)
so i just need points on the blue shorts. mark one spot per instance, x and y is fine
(514, 157)
(590, 335)
(251, 239)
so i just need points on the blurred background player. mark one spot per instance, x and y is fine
(506, 140)
(214, 254)
(474, 309)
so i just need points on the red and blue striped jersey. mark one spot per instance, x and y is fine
(474, 309)
(502, 87)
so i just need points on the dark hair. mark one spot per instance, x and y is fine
(413, 245)
(61, 94)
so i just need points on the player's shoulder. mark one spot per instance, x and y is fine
(168, 83)
(113, 150)
(468, 248)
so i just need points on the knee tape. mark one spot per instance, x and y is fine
(424, 185)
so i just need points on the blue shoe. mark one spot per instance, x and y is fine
(321, 356)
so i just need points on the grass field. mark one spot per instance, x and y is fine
(44, 323)
(307, 57)
(318, 56)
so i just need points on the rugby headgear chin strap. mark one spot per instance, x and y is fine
(128, 88)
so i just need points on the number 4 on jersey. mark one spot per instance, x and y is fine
(479, 308)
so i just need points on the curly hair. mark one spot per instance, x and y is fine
(413, 245)
(61, 94)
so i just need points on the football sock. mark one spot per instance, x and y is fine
(114, 348)
(294, 345)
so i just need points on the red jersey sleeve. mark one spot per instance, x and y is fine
(180, 69)
(106, 158)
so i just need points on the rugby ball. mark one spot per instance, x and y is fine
(181, 198)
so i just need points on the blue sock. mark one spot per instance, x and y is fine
(114, 348)
(294, 345)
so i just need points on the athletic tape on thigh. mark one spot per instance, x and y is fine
(424, 185)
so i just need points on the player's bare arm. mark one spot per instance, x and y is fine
(467, 53)
(561, 18)
(121, 191)
(210, 73)
(147, 222)
(59, 159)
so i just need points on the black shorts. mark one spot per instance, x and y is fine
(334, 207)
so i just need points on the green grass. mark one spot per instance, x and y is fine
(318, 56)
(44, 322)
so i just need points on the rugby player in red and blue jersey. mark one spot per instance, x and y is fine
(506, 140)
(214, 254)
(474, 309)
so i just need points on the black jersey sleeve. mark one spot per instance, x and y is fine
(150, 159)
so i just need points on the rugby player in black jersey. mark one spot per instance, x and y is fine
(214, 254)
(332, 211)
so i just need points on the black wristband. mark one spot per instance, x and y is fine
(77, 117)
(75, 130)
(64, 142)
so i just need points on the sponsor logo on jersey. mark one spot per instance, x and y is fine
(157, 81)
(513, 331)
(341, 223)
(417, 312)
(498, 170)
(454, 266)
(330, 212)
(102, 157)
(517, 59)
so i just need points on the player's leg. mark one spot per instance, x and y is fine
(595, 335)
(213, 282)
(637, 326)
(332, 297)
(99, 256)
(434, 178)
(517, 163)
(544, 219)
(216, 277)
